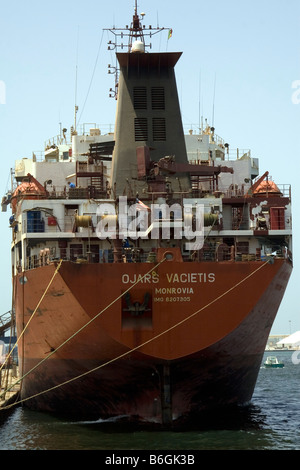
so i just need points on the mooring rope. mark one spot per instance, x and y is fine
(32, 315)
(136, 347)
(85, 325)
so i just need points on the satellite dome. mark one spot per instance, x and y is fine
(138, 46)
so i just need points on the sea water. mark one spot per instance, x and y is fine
(270, 422)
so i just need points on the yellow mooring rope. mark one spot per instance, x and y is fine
(34, 312)
(80, 329)
(131, 350)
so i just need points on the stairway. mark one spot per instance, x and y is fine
(5, 322)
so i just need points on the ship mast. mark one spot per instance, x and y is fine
(136, 30)
(136, 34)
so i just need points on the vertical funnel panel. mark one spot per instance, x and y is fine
(148, 114)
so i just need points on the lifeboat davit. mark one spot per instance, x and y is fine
(29, 188)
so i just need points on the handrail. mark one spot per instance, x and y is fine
(5, 321)
(211, 252)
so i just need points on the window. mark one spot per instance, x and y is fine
(35, 222)
(76, 251)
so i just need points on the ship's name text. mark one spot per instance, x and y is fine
(171, 278)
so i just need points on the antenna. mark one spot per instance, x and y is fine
(76, 72)
(135, 32)
(213, 111)
(199, 117)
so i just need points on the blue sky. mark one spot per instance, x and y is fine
(245, 55)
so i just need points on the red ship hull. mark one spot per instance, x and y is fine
(194, 344)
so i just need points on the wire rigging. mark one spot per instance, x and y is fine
(92, 78)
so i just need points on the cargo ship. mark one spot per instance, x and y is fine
(148, 263)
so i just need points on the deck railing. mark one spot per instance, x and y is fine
(209, 253)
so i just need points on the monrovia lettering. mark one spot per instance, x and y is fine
(174, 290)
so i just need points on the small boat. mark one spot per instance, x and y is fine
(272, 361)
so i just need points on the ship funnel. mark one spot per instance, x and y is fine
(138, 46)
